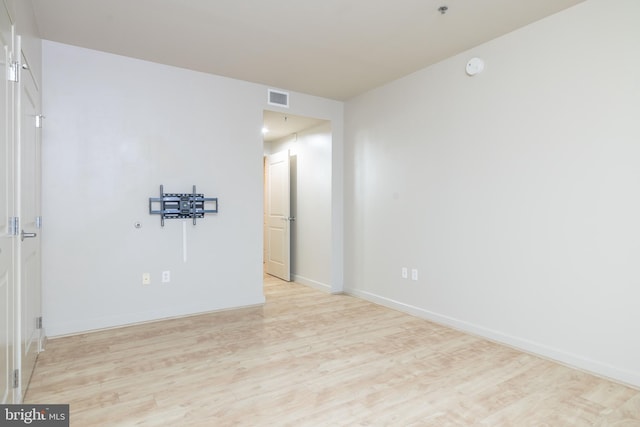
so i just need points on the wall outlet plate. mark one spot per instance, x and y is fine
(166, 276)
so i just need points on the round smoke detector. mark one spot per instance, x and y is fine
(475, 66)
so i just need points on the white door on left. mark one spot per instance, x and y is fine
(29, 212)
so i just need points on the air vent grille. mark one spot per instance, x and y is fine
(278, 98)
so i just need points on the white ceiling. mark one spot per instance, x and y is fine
(331, 48)
(335, 49)
(280, 125)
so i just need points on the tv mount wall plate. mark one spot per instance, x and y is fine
(182, 205)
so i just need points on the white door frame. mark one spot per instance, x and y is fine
(7, 212)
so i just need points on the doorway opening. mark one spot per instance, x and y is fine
(297, 198)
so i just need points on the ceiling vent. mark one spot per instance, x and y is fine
(279, 98)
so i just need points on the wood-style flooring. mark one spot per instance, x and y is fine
(307, 358)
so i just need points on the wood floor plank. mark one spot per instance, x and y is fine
(311, 358)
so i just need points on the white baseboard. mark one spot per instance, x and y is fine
(58, 330)
(312, 283)
(572, 360)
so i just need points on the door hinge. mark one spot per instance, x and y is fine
(14, 226)
(39, 118)
(14, 72)
(16, 378)
(39, 222)
(39, 322)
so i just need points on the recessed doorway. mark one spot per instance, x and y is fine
(306, 143)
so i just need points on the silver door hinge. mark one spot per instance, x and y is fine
(14, 72)
(14, 226)
(16, 378)
(39, 322)
(39, 118)
(38, 222)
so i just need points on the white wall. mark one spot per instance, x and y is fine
(310, 153)
(116, 129)
(514, 193)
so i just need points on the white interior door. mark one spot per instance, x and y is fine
(6, 212)
(29, 239)
(278, 230)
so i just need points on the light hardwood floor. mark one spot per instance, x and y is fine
(307, 358)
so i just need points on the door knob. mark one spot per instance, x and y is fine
(24, 235)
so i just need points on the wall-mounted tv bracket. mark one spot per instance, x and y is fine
(182, 205)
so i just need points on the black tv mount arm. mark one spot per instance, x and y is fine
(182, 205)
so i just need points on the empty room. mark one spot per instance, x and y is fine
(305, 213)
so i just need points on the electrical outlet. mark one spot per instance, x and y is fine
(414, 274)
(405, 273)
(166, 276)
(146, 278)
